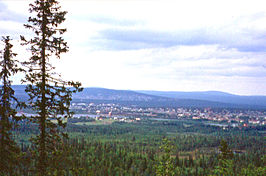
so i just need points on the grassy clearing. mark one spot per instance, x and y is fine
(55, 121)
(97, 122)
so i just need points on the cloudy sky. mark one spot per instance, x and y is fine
(157, 44)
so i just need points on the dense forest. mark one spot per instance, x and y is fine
(151, 148)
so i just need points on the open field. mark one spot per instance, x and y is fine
(96, 122)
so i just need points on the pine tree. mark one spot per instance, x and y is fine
(225, 165)
(50, 95)
(165, 166)
(9, 151)
(226, 153)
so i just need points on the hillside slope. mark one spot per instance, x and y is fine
(161, 99)
(212, 96)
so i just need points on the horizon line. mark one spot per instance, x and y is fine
(136, 90)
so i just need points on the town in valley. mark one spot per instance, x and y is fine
(132, 113)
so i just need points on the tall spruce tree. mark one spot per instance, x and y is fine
(165, 166)
(9, 151)
(50, 96)
(225, 165)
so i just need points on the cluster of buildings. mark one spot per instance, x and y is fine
(116, 111)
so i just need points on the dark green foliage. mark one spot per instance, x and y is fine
(165, 166)
(9, 151)
(134, 149)
(81, 119)
(251, 170)
(225, 163)
(50, 96)
(226, 153)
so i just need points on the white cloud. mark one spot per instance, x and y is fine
(162, 45)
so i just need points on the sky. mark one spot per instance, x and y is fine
(161, 45)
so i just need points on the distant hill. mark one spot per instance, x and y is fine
(212, 96)
(162, 99)
(119, 95)
(184, 99)
(20, 92)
